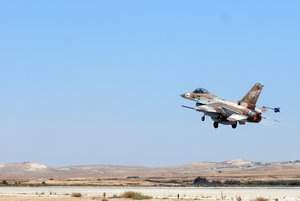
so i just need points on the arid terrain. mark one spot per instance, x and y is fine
(111, 175)
(66, 193)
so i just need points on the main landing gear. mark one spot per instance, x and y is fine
(234, 125)
(203, 118)
(216, 124)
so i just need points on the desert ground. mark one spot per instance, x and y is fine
(30, 181)
(35, 198)
(157, 193)
(34, 174)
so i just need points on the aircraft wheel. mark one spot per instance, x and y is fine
(216, 124)
(203, 118)
(234, 125)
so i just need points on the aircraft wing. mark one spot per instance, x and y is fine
(203, 108)
(221, 110)
(211, 109)
(237, 117)
(206, 108)
(233, 115)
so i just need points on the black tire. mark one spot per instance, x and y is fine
(216, 124)
(234, 125)
(203, 118)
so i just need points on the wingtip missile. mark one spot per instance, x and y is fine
(188, 107)
(275, 109)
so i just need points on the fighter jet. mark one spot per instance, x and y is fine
(226, 112)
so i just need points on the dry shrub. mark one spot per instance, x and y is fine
(76, 195)
(261, 199)
(135, 195)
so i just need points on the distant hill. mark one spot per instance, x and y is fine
(242, 170)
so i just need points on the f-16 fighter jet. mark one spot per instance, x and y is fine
(226, 112)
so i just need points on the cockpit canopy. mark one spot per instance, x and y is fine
(200, 91)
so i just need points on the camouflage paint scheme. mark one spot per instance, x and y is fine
(226, 112)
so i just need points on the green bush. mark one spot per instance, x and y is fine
(200, 181)
(134, 195)
(232, 182)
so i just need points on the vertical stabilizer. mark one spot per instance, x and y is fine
(252, 96)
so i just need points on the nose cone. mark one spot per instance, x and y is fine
(183, 95)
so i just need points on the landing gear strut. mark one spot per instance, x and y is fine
(216, 124)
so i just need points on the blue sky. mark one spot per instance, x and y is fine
(98, 82)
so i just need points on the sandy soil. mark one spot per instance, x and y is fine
(158, 193)
(36, 198)
(68, 198)
(63, 198)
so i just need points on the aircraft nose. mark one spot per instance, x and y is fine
(183, 95)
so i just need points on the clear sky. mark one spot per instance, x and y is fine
(98, 82)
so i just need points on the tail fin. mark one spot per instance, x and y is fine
(252, 96)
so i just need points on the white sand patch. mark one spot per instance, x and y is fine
(238, 162)
(64, 169)
(35, 166)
